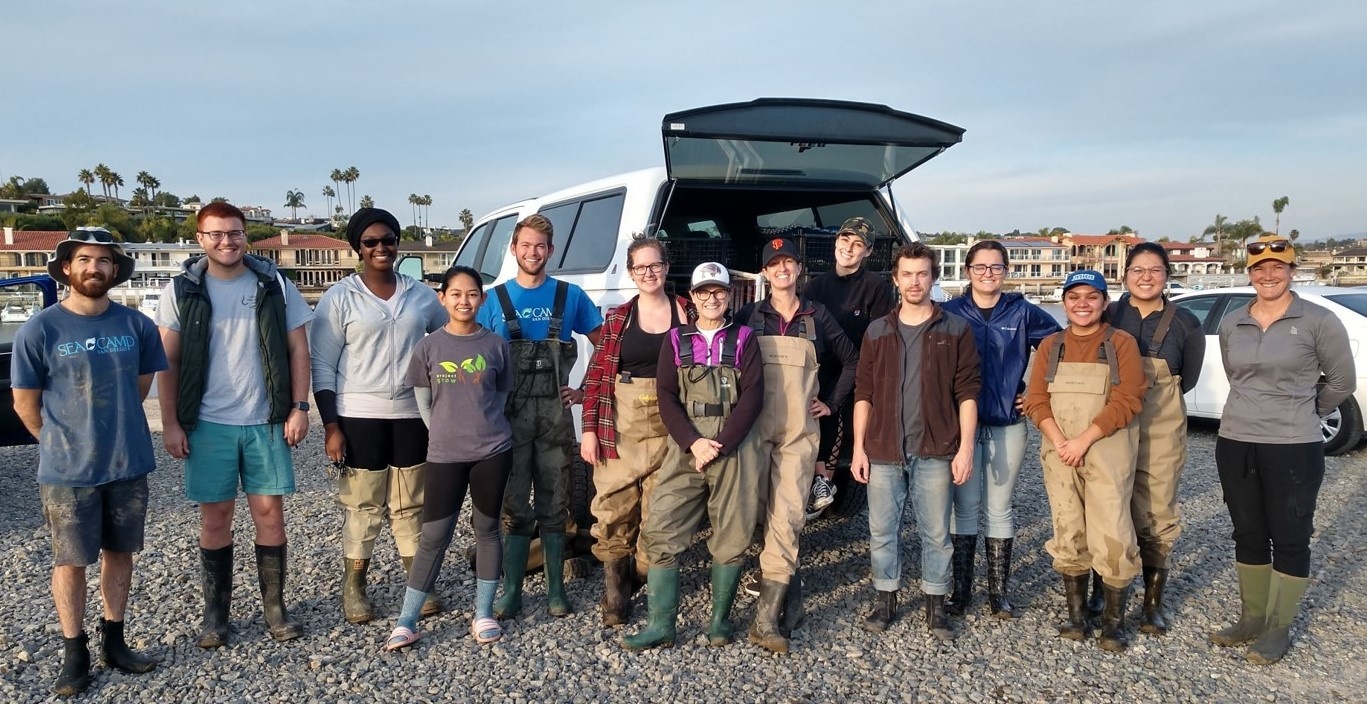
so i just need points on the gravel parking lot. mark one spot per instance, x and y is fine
(574, 659)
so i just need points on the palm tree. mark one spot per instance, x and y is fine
(86, 178)
(1294, 234)
(427, 213)
(337, 177)
(103, 173)
(115, 180)
(294, 200)
(1277, 207)
(1243, 231)
(329, 194)
(351, 176)
(367, 202)
(1217, 229)
(413, 201)
(467, 219)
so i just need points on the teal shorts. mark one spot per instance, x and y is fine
(223, 455)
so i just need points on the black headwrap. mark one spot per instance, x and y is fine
(365, 217)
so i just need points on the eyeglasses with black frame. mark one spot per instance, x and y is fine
(715, 294)
(981, 269)
(653, 268)
(1277, 246)
(218, 235)
(388, 241)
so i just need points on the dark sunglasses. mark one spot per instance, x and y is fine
(1277, 246)
(389, 241)
(96, 236)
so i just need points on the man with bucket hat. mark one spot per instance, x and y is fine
(81, 370)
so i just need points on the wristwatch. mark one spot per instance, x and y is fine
(301, 405)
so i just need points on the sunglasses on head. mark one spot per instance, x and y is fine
(388, 241)
(1277, 246)
(96, 236)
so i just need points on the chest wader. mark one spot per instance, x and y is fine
(726, 491)
(543, 435)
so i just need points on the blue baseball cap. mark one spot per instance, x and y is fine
(1088, 277)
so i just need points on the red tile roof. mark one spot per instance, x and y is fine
(300, 241)
(1193, 258)
(1085, 240)
(34, 240)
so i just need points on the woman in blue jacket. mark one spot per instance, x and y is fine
(1005, 327)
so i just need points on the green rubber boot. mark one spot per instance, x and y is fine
(1255, 581)
(553, 547)
(1283, 605)
(725, 579)
(662, 596)
(515, 550)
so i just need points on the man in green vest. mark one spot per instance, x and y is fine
(233, 403)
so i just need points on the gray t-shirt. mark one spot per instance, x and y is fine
(235, 389)
(912, 424)
(469, 376)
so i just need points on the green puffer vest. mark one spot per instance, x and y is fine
(195, 340)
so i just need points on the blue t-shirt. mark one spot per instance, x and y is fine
(533, 307)
(87, 366)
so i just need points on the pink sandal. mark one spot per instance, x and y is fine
(401, 638)
(482, 626)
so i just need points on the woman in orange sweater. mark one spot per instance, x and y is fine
(1086, 388)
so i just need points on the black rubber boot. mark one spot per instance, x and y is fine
(1075, 594)
(999, 577)
(961, 591)
(1097, 602)
(791, 615)
(884, 611)
(662, 602)
(1282, 608)
(117, 654)
(1255, 582)
(75, 674)
(1154, 622)
(725, 580)
(616, 604)
(270, 571)
(1112, 636)
(553, 546)
(218, 595)
(764, 629)
(431, 606)
(355, 604)
(937, 621)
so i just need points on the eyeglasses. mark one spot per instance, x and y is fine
(1138, 272)
(715, 294)
(218, 235)
(981, 269)
(98, 236)
(654, 268)
(1277, 246)
(388, 241)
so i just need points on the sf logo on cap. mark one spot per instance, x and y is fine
(776, 244)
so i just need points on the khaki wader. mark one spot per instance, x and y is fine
(726, 489)
(1093, 528)
(624, 485)
(788, 436)
(1161, 454)
(367, 496)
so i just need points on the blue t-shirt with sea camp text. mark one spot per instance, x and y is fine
(87, 366)
(534, 307)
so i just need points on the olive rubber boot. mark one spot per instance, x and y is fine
(1255, 583)
(884, 611)
(218, 595)
(956, 603)
(662, 603)
(937, 621)
(553, 545)
(1075, 594)
(1154, 621)
(616, 604)
(355, 604)
(116, 653)
(725, 580)
(75, 675)
(1283, 606)
(764, 629)
(270, 571)
(515, 550)
(431, 606)
(1112, 636)
(1097, 602)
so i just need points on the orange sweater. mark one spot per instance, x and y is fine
(1126, 398)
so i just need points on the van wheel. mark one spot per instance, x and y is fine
(1342, 429)
(850, 496)
(582, 491)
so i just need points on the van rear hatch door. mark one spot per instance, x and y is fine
(800, 143)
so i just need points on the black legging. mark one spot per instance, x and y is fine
(1271, 491)
(443, 493)
(374, 444)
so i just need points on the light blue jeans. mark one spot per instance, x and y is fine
(998, 454)
(929, 481)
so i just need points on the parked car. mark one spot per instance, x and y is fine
(1343, 429)
(26, 288)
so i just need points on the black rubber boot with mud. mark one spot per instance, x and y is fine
(725, 580)
(431, 606)
(355, 604)
(662, 604)
(116, 653)
(75, 675)
(791, 615)
(616, 604)
(884, 611)
(764, 629)
(1075, 595)
(270, 572)
(1284, 603)
(515, 551)
(937, 621)
(1112, 636)
(1097, 602)
(999, 577)
(1255, 584)
(961, 591)
(217, 574)
(1154, 622)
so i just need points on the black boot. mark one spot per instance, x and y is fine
(616, 603)
(270, 570)
(75, 675)
(355, 604)
(1097, 602)
(956, 602)
(791, 615)
(764, 630)
(999, 577)
(1155, 622)
(116, 652)
(937, 621)
(1113, 618)
(884, 611)
(1075, 594)
(218, 594)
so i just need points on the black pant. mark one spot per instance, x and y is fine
(443, 493)
(376, 443)
(1271, 492)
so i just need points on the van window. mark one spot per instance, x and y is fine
(586, 232)
(469, 254)
(802, 217)
(497, 247)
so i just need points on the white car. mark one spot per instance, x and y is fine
(1343, 429)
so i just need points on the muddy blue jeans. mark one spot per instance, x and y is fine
(929, 481)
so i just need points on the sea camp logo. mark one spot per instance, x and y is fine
(98, 345)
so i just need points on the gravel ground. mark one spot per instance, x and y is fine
(574, 659)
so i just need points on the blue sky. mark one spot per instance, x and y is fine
(1080, 114)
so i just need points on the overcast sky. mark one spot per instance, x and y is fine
(1086, 115)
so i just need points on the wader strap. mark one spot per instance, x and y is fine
(729, 341)
(808, 329)
(1164, 324)
(562, 292)
(510, 318)
(686, 333)
(1054, 360)
(708, 410)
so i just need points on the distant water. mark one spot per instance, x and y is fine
(1056, 310)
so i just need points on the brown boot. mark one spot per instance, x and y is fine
(355, 604)
(432, 605)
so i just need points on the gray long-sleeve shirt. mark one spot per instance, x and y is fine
(1274, 395)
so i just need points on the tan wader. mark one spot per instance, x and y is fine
(624, 485)
(367, 496)
(788, 436)
(1161, 454)
(1093, 528)
(726, 490)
